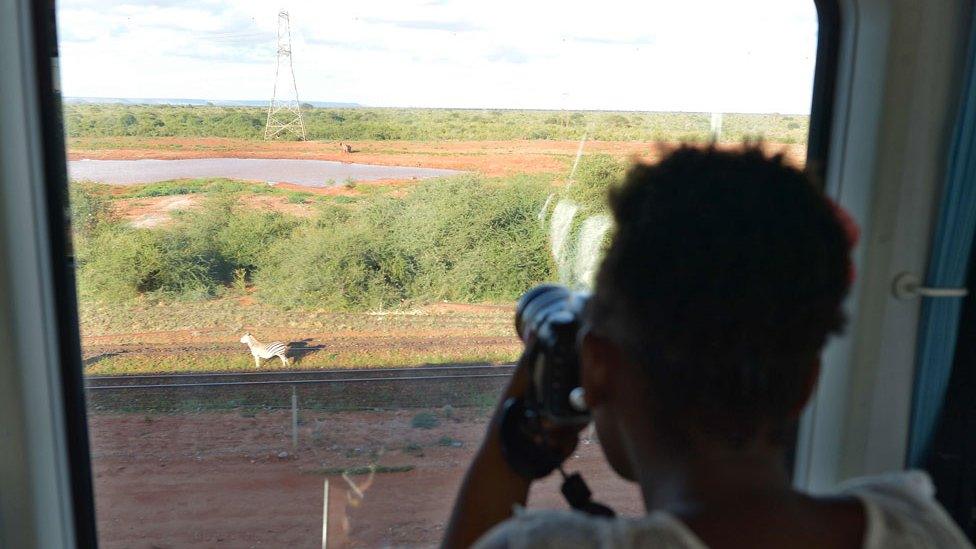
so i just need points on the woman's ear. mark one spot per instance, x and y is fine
(599, 357)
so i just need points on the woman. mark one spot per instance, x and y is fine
(723, 280)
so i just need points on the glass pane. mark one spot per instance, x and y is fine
(373, 185)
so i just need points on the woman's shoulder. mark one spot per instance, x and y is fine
(902, 512)
(572, 529)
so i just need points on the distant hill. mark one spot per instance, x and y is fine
(199, 102)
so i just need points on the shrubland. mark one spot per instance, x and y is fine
(380, 124)
(595, 174)
(465, 238)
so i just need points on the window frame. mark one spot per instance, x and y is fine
(46, 55)
(898, 80)
(43, 48)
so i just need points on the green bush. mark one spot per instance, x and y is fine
(475, 239)
(353, 266)
(464, 238)
(117, 263)
(90, 207)
(246, 236)
(194, 258)
(595, 175)
(121, 263)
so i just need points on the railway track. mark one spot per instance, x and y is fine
(298, 378)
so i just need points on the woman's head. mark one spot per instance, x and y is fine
(723, 280)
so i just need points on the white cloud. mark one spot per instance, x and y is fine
(699, 55)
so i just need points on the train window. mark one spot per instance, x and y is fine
(299, 235)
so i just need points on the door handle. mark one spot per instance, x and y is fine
(909, 286)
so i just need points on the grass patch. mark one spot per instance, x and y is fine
(294, 197)
(136, 363)
(188, 186)
(223, 318)
(424, 420)
(449, 442)
(413, 449)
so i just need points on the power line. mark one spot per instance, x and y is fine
(284, 115)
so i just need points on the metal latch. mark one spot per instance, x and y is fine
(909, 286)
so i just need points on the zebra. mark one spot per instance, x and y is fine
(264, 352)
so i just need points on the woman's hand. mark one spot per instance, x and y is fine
(491, 488)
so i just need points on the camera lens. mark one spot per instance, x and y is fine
(536, 305)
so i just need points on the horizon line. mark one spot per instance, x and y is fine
(176, 101)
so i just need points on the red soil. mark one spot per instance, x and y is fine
(227, 480)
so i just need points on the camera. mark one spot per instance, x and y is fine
(548, 318)
(551, 315)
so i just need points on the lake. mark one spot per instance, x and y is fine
(311, 173)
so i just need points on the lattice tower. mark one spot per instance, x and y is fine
(284, 111)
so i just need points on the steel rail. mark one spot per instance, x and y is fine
(286, 373)
(293, 382)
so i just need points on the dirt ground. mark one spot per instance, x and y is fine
(493, 158)
(233, 479)
(157, 211)
(147, 336)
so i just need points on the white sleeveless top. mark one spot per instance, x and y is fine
(900, 510)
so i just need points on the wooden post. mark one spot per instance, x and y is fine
(294, 418)
(325, 516)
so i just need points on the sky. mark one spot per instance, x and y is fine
(650, 55)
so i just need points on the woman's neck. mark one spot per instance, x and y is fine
(712, 476)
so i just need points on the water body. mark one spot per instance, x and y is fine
(311, 173)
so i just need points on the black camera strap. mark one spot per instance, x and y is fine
(580, 497)
(520, 431)
(532, 460)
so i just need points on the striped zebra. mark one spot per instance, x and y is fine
(263, 352)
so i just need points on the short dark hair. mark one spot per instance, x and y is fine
(724, 277)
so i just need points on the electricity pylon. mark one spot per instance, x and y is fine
(284, 114)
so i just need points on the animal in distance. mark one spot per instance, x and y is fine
(261, 351)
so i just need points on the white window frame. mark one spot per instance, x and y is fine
(35, 487)
(896, 94)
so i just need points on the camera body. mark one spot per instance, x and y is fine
(548, 318)
(552, 316)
